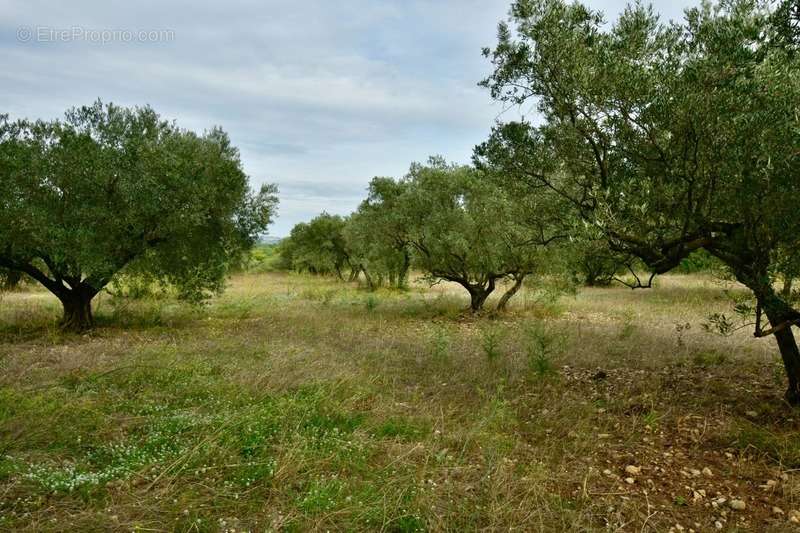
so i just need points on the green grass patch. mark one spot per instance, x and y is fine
(783, 449)
(401, 428)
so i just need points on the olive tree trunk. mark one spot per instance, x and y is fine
(791, 362)
(402, 276)
(787, 345)
(503, 303)
(370, 282)
(478, 294)
(77, 304)
(781, 316)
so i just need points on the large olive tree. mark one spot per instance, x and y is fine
(110, 188)
(668, 137)
(465, 230)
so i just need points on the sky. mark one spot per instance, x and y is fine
(320, 96)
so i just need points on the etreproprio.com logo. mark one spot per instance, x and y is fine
(49, 34)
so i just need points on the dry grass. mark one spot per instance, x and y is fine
(293, 403)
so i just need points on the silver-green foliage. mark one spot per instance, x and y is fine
(109, 189)
(666, 137)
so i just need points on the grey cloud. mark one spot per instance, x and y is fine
(320, 96)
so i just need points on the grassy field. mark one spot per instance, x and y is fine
(293, 403)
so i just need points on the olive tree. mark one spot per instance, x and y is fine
(592, 262)
(109, 189)
(377, 234)
(667, 137)
(319, 247)
(465, 230)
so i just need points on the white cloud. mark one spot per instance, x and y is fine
(320, 96)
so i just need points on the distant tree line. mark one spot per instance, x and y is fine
(454, 223)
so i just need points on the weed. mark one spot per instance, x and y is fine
(116, 460)
(371, 302)
(440, 343)
(490, 342)
(783, 449)
(681, 328)
(322, 495)
(540, 348)
(399, 428)
(709, 358)
(650, 419)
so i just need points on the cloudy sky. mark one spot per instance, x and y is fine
(320, 96)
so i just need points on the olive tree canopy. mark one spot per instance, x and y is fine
(377, 234)
(319, 247)
(110, 188)
(464, 229)
(667, 137)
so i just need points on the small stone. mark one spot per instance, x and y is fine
(777, 510)
(630, 480)
(718, 524)
(607, 472)
(633, 470)
(695, 472)
(769, 485)
(737, 505)
(707, 472)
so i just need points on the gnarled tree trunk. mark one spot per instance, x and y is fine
(478, 294)
(77, 304)
(370, 283)
(779, 315)
(518, 279)
(402, 276)
(791, 363)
